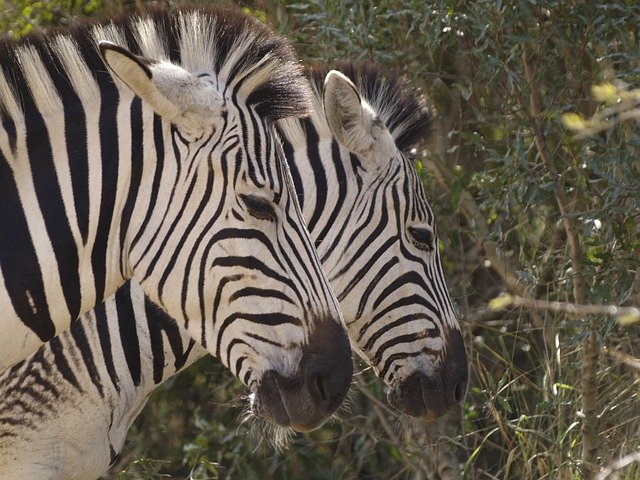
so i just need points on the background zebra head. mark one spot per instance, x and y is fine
(194, 197)
(375, 232)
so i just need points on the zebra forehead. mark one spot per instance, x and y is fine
(248, 61)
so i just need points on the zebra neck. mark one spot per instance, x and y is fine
(326, 178)
(82, 187)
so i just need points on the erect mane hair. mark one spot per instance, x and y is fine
(406, 114)
(247, 59)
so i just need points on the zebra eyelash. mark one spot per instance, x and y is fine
(423, 238)
(259, 207)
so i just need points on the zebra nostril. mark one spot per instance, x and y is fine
(319, 380)
(458, 391)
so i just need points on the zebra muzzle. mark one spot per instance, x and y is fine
(307, 399)
(431, 396)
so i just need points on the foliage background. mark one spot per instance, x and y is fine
(523, 207)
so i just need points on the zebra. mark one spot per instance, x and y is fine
(313, 153)
(375, 233)
(143, 147)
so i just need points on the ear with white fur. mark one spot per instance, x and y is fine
(353, 123)
(175, 94)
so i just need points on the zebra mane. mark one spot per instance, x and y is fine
(405, 112)
(246, 58)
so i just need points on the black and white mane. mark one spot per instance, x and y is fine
(245, 57)
(407, 114)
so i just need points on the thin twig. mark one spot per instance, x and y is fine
(624, 358)
(564, 307)
(618, 465)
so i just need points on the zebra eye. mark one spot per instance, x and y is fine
(422, 238)
(259, 207)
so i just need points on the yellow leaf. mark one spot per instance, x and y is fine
(605, 92)
(629, 318)
(500, 302)
(574, 122)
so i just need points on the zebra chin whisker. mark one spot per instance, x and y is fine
(348, 402)
(403, 424)
(277, 437)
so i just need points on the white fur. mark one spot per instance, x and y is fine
(353, 122)
(175, 94)
(197, 43)
(152, 42)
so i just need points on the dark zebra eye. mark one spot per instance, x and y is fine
(259, 207)
(422, 237)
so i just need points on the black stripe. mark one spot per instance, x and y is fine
(108, 129)
(260, 292)
(62, 365)
(75, 131)
(251, 263)
(402, 321)
(338, 202)
(401, 304)
(217, 299)
(158, 143)
(319, 177)
(129, 335)
(289, 154)
(400, 339)
(251, 163)
(264, 319)
(394, 357)
(410, 277)
(81, 341)
(52, 207)
(232, 344)
(159, 322)
(102, 325)
(155, 338)
(18, 255)
(137, 163)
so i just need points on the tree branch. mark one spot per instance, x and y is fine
(630, 313)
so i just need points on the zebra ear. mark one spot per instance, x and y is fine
(352, 121)
(343, 110)
(175, 94)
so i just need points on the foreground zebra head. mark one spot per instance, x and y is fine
(188, 193)
(234, 260)
(375, 232)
